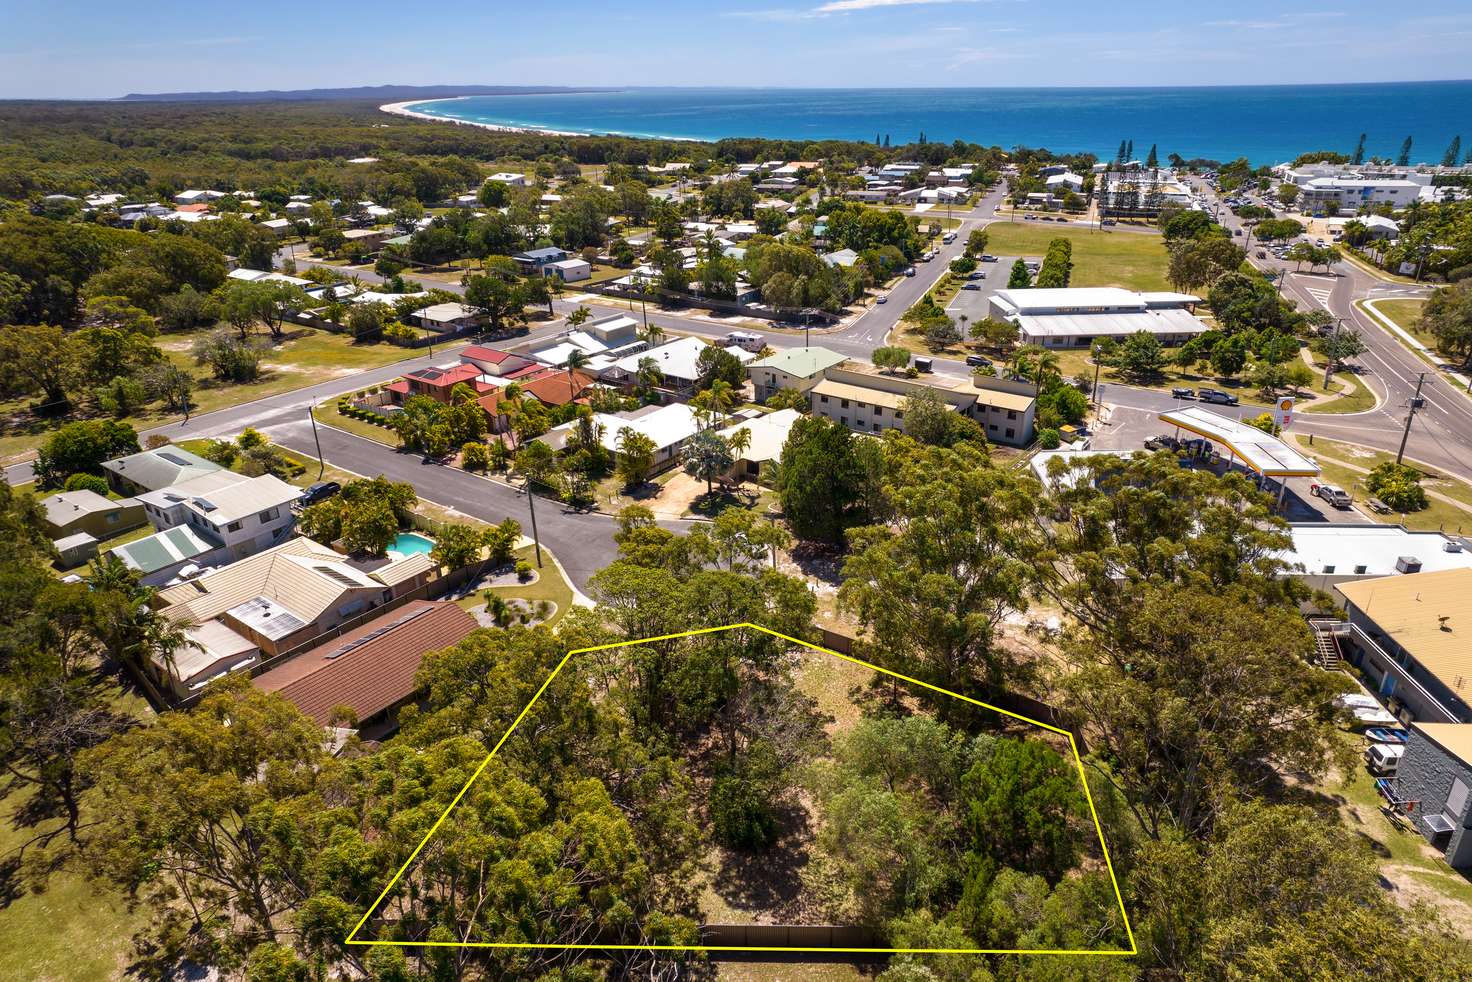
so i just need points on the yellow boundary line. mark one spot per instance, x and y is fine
(352, 938)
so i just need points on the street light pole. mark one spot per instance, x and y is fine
(1410, 415)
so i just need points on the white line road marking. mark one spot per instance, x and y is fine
(1319, 294)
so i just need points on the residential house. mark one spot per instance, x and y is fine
(438, 383)
(768, 436)
(70, 512)
(841, 257)
(278, 226)
(369, 238)
(169, 556)
(791, 368)
(493, 361)
(370, 669)
(150, 470)
(509, 177)
(1078, 316)
(241, 517)
(569, 270)
(447, 317)
(678, 363)
(670, 427)
(292, 594)
(1411, 637)
(549, 387)
(1064, 181)
(534, 260)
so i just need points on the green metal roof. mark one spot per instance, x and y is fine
(801, 362)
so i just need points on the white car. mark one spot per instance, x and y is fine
(882, 298)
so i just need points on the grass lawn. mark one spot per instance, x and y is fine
(326, 412)
(551, 585)
(1354, 395)
(312, 357)
(1123, 259)
(1342, 465)
(74, 930)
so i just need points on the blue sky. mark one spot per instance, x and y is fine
(72, 49)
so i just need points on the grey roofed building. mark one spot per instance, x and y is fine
(154, 469)
(159, 556)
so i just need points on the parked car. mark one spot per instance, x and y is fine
(1387, 734)
(1217, 397)
(1383, 759)
(320, 491)
(948, 238)
(1162, 443)
(909, 270)
(882, 298)
(988, 258)
(971, 286)
(977, 361)
(1108, 221)
(1334, 495)
(1181, 392)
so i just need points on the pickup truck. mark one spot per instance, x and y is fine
(1335, 496)
(1217, 396)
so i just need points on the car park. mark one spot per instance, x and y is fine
(1181, 392)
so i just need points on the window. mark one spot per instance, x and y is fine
(843, 420)
(233, 527)
(350, 608)
(112, 518)
(824, 399)
(1011, 414)
(269, 515)
(1361, 569)
(898, 414)
(843, 403)
(1328, 569)
(878, 411)
(1010, 434)
(1456, 798)
(992, 427)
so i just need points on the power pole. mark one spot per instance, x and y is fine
(1410, 415)
(321, 464)
(1098, 404)
(531, 503)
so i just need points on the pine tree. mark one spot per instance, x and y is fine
(1120, 156)
(886, 141)
(1453, 151)
(1152, 161)
(1404, 159)
(876, 139)
(1359, 151)
(1129, 152)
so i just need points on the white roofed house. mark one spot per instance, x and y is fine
(678, 362)
(1076, 317)
(448, 317)
(1065, 181)
(768, 434)
(668, 427)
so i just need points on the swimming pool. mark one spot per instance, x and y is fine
(409, 544)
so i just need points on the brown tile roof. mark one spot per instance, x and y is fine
(556, 389)
(372, 667)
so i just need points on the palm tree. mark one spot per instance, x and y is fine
(653, 335)
(648, 375)
(740, 441)
(579, 317)
(577, 359)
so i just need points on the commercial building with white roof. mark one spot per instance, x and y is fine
(1357, 192)
(1331, 553)
(1079, 316)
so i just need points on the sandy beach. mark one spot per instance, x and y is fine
(402, 109)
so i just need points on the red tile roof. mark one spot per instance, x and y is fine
(556, 389)
(402, 385)
(530, 371)
(478, 352)
(371, 668)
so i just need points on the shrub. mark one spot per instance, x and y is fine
(1049, 439)
(741, 813)
(1398, 486)
(87, 482)
(523, 569)
(475, 456)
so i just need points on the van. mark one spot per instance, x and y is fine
(923, 365)
(1383, 759)
(746, 339)
(948, 238)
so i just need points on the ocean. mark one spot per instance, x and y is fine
(1267, 124)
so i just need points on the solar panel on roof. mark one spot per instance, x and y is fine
(336, 575)
(376, 633)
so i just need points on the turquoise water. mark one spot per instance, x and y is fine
(1267, 124)
(409, 544)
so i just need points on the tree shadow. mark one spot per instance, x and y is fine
(770, 880)
(712, 503)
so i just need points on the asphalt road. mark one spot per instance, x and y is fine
(1441, 433)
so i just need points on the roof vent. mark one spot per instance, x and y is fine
(1408, 564)
(1451, 545)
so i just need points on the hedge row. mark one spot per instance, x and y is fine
(1057, 264)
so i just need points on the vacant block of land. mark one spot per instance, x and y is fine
(1132, 260)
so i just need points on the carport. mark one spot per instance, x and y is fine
(1262, 453)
